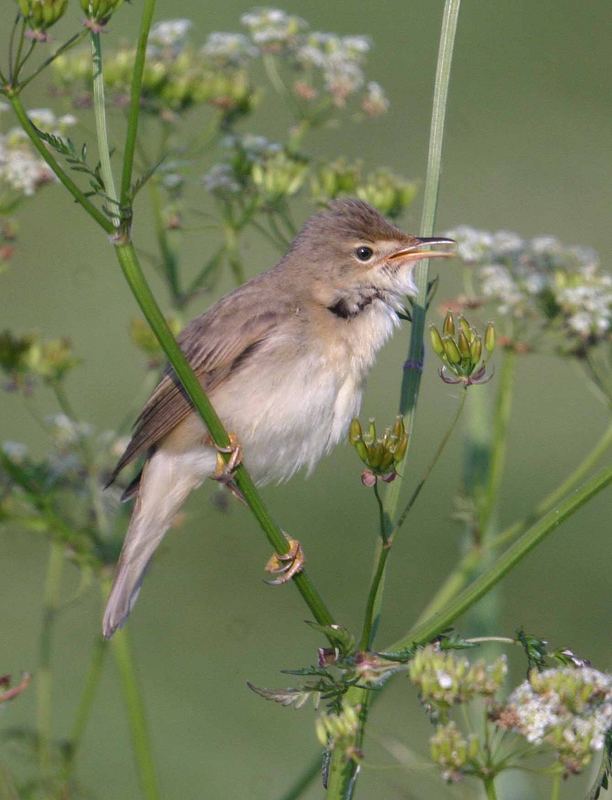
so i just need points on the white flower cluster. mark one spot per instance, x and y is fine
(228, 49)
(540, 276)
(272, 28)
(569, 709)
(340, 59)
(168, 36)
(22, 171)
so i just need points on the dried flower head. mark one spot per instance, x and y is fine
(453, 752)
(40, 15)
(463, 351)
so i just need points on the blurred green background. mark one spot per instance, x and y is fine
(527, 149)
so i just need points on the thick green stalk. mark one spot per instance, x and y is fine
(426, 631)
(135, 98)
(465, 569)
(132, 271)
(343, 770)
(46, 155)
(44, 674)
(136, 715)
(489, 787)
(101, 127)
(413, 368)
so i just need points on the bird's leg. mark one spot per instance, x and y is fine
(224, 470)
(285, 565)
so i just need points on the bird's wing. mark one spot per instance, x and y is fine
(216, 345)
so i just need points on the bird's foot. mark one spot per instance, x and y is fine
(285, 565)
(225, 469)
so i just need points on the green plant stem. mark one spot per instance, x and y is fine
(432, 626)
(44, 676)
(497, 459)
(343, 770)
(132, 271)
(75, 39)
(388, 533)
(489, 787)
(135, 94)
(14, 66)
(555, 789)
(135, 708)
(344, 765)
(46, 155)
(85, 706)
(462, 573)
(101, 127)
(411, 378)
(169, 259)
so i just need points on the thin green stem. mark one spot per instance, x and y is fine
(344, 765)
(132, 271)
(46, 155)
(75, 39)
(465, 569)
(436, 457)
(413, 367)
(374, 601)
(343, 769)
(102, 129)
(44, 676)
(135, 708)
(209, 268)
(14, 67)
(497, 459)
(168, 256)
(425, 632)
(555, 789)
(85, 706)
(134, 112)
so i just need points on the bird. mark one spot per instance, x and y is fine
(284, 358)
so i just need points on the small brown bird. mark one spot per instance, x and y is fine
(283, 358)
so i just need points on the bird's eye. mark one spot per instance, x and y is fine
(364, 253)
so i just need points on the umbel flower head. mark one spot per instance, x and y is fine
(380, 454)
(40, 15)
(568, 709)
(560, 288)
(463, 351)
(99, 12)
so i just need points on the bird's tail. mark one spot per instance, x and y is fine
(163, 488)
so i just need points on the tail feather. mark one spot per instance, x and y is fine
(164, 486)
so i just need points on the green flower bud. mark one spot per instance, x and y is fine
(41, 15)
(448, 326)
(464, 345)
(466, 328)
(451, 350)
(476, 349)
(371, 430)
(489, 337)
(436, 340)
(355, 432)
(99, 11)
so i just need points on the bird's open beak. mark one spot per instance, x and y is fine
(416, 252)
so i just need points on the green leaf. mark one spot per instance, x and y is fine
(288, 697)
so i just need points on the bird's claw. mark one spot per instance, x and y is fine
(225, 469)
(285, 565)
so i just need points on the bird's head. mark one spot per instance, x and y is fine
(351, 246)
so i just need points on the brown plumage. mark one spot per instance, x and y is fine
(283, 358)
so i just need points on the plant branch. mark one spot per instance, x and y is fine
(101, 127)
(62, 176)
(134, 112)
(431, 627)
(343, 768)
(460, 576)
(75, 39)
